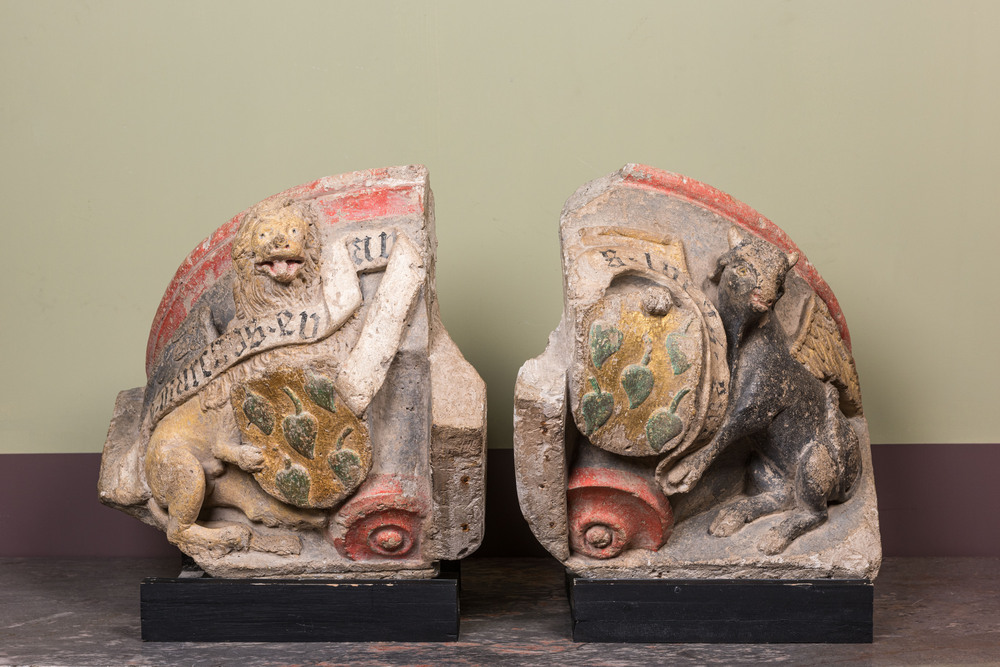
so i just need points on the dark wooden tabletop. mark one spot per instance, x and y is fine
(928, 611)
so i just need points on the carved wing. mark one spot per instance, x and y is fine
(820, 349)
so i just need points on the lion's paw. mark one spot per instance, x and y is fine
(773, 542)
(727, 522)
(250, 458)
(196, 540)
(680, 479)
(230, 538)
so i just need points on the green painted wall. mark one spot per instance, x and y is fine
(869, 131)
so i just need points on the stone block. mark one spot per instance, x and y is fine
(697, 412)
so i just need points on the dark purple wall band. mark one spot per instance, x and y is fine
(934, 500)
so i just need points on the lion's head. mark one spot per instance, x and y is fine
(276, 254)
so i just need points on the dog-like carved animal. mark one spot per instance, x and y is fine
(805, 454)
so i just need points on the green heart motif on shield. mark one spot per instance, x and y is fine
(603, 343)
(293, 482)
(259, 412)
(664, 425)
(678, 360)
(316, 451)
(596, 407)
(638, 379)
(300, 429)
(321, 391)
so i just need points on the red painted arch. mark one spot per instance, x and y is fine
(738, 213)
(360, 195)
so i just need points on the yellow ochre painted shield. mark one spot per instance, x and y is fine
(642, 375)
(316, 452)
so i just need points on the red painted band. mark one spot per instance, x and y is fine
(738, 213)
(363, 195)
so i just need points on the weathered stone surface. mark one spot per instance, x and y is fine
(697, 412)
(542, 446)
(306, 413)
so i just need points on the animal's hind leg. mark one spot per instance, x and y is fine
(740, 512)
(814, 481)
(177, 480)
(237, 489)
(772, 497)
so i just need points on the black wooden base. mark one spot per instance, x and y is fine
(268, 610)
(721, 611)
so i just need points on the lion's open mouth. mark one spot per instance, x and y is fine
(282, 270)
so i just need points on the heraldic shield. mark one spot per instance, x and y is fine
(316, 452)
(646, 368)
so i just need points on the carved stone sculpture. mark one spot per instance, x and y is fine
(697, 412)
(306, 413)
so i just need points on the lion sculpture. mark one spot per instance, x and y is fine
(305, 411)
(276, 257)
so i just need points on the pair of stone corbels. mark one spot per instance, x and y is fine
(696, 413)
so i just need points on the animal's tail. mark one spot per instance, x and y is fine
(157, 514)
(844, 446)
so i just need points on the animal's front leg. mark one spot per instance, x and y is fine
(798, 523)
(772, 495)
(245, 457)
(229, 446)
(689, 470)
(365, 370)
(744, 417)
(237, 489)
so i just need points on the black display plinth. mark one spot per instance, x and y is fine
(205, 609)
(721, 611)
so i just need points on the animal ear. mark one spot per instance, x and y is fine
(792, 258)
(720, 266)
(735, 238)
